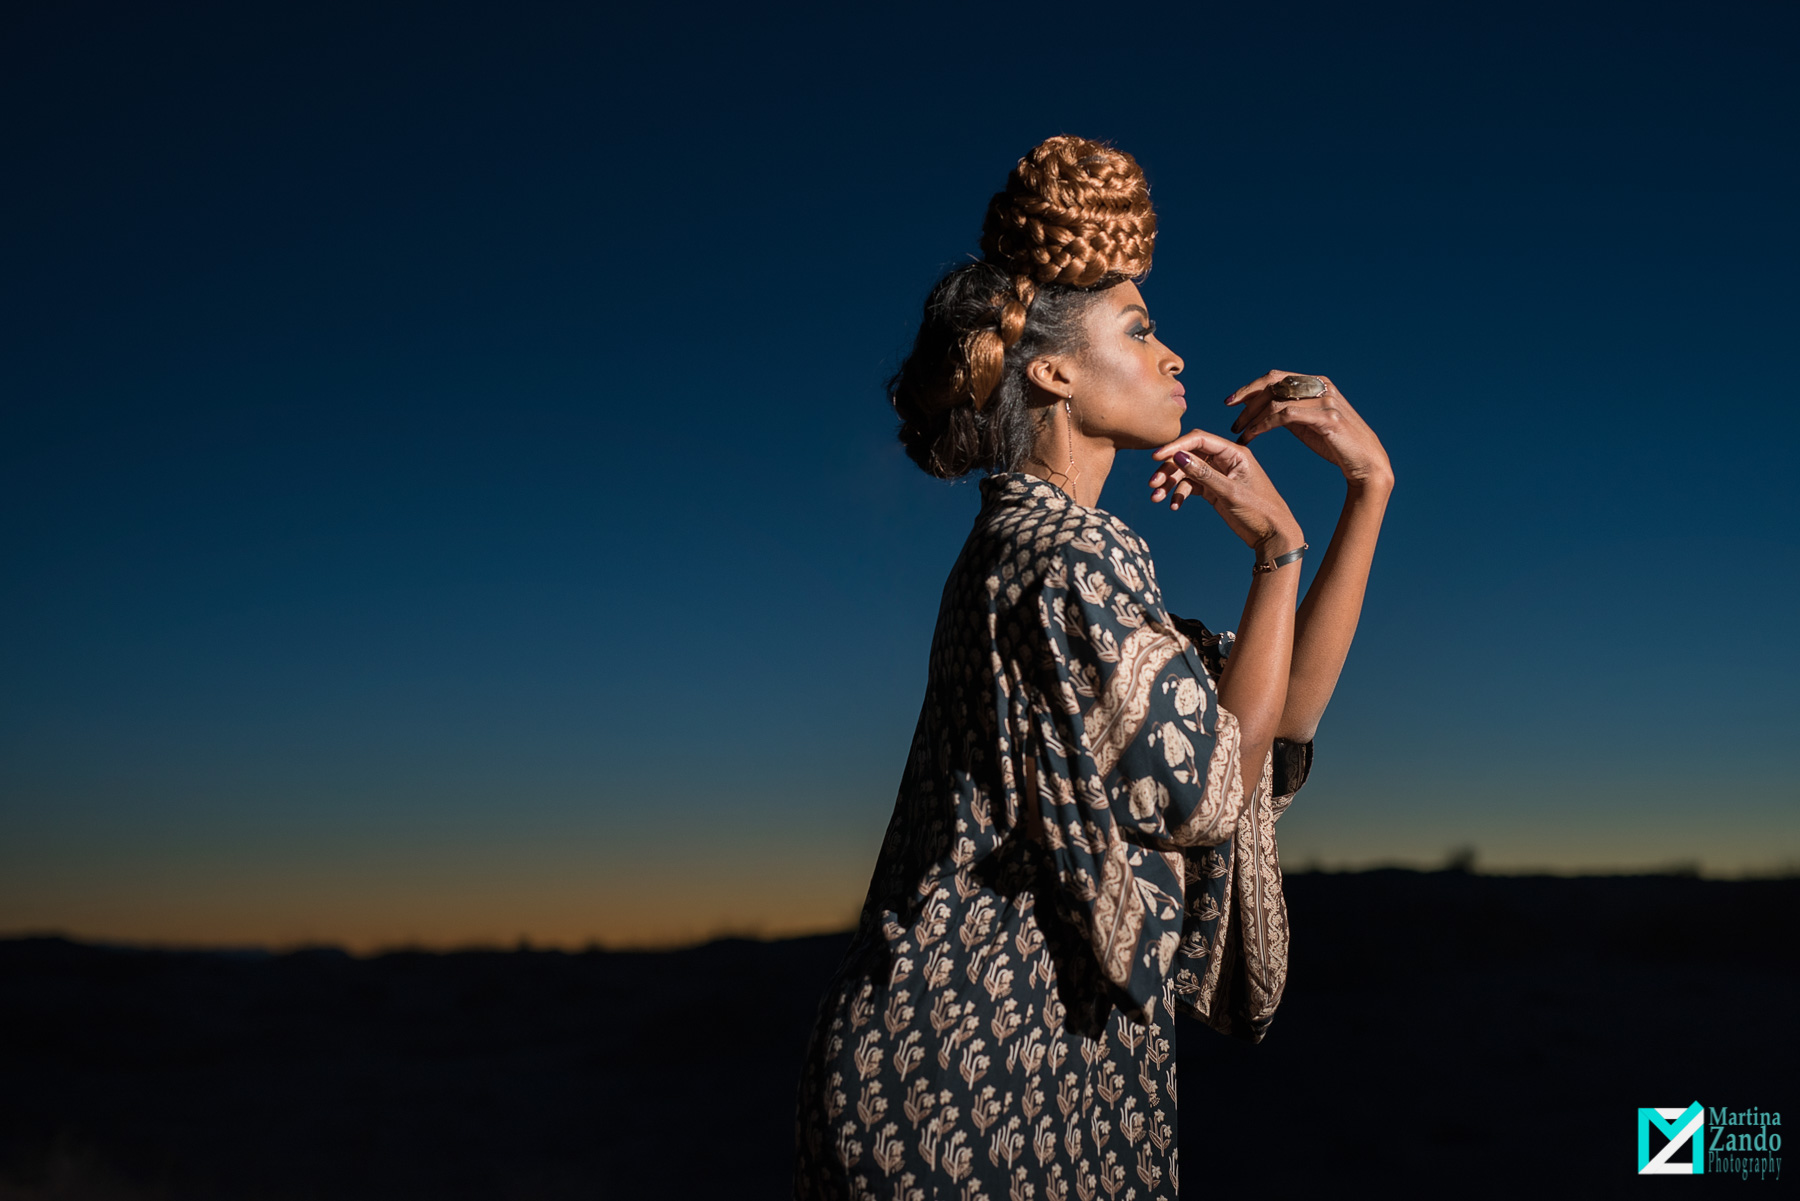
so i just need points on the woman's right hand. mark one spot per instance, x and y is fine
(1228, 477)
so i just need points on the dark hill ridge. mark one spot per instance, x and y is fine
(1437, 1027)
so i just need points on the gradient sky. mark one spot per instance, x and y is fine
(449, 495)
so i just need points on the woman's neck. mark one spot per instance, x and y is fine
(1082, 480)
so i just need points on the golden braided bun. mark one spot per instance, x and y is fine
(1073, 212)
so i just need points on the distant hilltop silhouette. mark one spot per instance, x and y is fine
(1439, 1000)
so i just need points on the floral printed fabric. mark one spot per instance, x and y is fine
(1071, 861)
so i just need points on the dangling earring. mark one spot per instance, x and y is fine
(1068, 403)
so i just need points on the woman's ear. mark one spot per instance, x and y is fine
(1052, 375)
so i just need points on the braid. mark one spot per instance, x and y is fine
(1073, 212)
(986, 348)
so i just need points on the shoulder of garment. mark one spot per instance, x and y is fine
(1040, 537)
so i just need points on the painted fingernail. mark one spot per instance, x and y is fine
(1181, 458)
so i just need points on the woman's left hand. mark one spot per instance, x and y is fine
(1325, 423)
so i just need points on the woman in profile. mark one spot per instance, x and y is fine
(1083, 845)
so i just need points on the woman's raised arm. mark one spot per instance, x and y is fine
(1255, 684)
(1327, 619)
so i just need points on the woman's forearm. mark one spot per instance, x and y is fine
(1255, 682)
(1327, 619)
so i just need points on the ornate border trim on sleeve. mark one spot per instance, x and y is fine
(1116, 718)
(1222, 802)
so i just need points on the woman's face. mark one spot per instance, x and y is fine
(1124, 382)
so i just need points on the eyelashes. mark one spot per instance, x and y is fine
(1142, 333)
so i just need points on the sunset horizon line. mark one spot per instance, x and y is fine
(772, 932)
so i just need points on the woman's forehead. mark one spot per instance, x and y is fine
(1123, 297)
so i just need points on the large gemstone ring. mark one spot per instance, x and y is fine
(1297, 387)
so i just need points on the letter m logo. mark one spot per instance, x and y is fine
(1678, 1126)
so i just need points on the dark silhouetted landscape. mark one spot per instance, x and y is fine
(1443, 1033)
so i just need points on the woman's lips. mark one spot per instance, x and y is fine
(1179, 396)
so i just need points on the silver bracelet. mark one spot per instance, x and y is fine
(1293, 556)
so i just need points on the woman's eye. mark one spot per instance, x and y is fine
(1142, 333)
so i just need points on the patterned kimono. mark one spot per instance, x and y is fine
(1071, 861)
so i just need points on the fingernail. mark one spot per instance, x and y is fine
(1181, 458)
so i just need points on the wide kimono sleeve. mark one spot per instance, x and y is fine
(1231, 965)
(1130, 766)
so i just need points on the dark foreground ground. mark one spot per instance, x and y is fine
(1443, 1034)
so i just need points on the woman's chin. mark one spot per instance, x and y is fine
(1165, 433)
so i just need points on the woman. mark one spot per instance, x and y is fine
(1083, 844)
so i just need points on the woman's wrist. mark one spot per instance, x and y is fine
(1278, 542)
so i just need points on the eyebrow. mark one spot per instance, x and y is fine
(1135, 308)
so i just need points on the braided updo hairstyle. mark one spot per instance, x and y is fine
(1075, 219)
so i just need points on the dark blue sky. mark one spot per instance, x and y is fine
(449, 493)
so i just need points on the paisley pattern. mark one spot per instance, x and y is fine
(1071, 862)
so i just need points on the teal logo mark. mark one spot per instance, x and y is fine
(1679, 1126)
